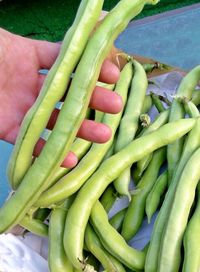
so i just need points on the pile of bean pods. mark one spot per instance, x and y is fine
(162, 157)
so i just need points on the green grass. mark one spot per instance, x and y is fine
(50, 19)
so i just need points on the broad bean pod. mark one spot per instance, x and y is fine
(94, 245)
(70, 183)
(53, 89)
(154, 196)
(191, 144)
(57, 258)
(136, 209)
(186, 87)
(73, 112)
(129, 256)
(160, 120)
(106, 173)
(170, 249)
(130, 120)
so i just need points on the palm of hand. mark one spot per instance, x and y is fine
(20, 81)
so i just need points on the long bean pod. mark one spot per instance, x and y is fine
(129, 256)
(70, 183)
(57, 258)
(153, 198)
(73, 112)
(160, 120)
(191, 144)
(53, 89)
(170, 249)
(185, 89)
(94, 245)
(130, 120)
(136, 209)
(108, 171)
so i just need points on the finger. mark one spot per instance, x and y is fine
(69, 162)
(47, 53)
(89, 129)
(94, 132)
(106, 101)
(109, 72)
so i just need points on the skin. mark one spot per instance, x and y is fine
(20, 60)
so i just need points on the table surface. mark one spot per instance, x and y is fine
(171, 37)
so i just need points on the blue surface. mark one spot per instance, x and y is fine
(5, 153)
(172, 37)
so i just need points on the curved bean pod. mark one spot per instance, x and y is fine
(153, 198)
(129, 256)
(185, 89)
(170, 249)
(70, 183)
(106, 173)
(35, 226)
(160, 120)
(73, 111)
(191, 144)
(53, 89)
(136, 209)
(57, 258)
(95, 247)
(130, 120)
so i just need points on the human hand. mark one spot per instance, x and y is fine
(20, 83)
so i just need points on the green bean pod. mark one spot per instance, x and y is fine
(53, 89)
(191, 240)
(185, 89)
(130, 121)
(35, 226)
(57, 258)
(80, 146)
(73, 112)
(136, 209)
(70, 183)
(191, 144)
(129, 256)
(153, 198)
(170, 249)
(95, 247)
(108, 171)
(160, 120)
